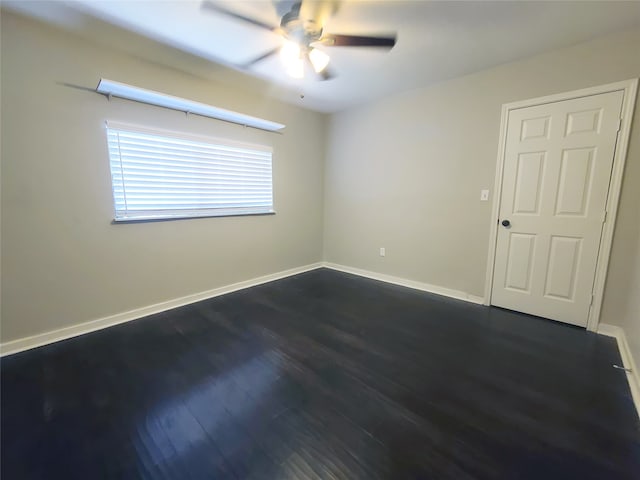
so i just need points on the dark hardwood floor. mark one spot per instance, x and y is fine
(322, 375)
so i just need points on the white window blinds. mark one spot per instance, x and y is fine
(160, 175)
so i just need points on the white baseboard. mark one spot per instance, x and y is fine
(52, 336)
(633, 377)
(425, 287)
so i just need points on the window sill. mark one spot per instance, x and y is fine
(188, 217)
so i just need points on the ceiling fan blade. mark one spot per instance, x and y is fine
(334, 40)
(261, 57)
(214, 7)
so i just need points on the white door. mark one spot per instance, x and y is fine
(557, 167)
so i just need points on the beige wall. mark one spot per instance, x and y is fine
(630, 317)
(63, 262)
(405, 173)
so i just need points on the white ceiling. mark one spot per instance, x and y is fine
(436, 40)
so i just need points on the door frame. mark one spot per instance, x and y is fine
(630, 88)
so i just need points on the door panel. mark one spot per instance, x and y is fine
(576, 177)
(528, 182)
(583, 122)
(557, 166)
(564, 257)
(519, 265)
(535, 128)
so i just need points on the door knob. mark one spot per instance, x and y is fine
(506, 223)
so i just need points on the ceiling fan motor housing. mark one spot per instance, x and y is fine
(299, 30)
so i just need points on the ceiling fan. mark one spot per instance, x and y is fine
(302, 29)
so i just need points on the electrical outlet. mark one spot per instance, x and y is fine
(383, 251)
(484, 195)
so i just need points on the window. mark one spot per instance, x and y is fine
(162, 175)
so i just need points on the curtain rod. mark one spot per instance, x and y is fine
(109, 88)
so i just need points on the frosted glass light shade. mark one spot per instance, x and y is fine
(318, 59)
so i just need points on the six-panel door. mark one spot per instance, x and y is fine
(558, 160)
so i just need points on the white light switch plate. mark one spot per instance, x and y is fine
(484, 195)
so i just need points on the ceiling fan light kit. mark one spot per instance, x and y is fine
(302, 29)
(318, 59)
(293, 57)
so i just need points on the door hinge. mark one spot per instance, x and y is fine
(604, 216)
(619, 124)
(591, 301)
